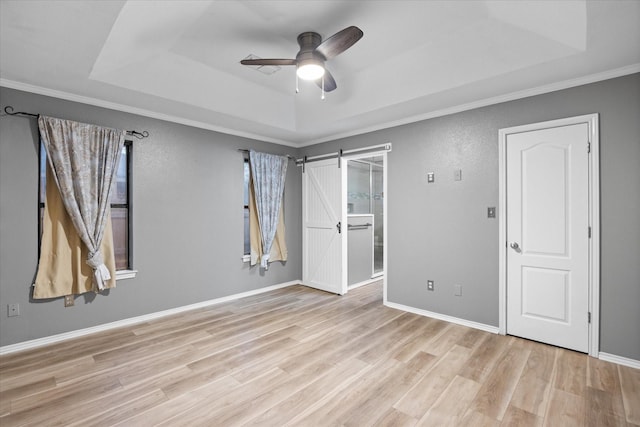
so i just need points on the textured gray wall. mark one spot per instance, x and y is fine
(436, 231)
(440, 231)
(187, 220)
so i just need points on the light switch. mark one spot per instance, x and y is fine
(457, 175)
(491, 212)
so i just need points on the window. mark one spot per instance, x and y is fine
(247, 244)
(120, 206)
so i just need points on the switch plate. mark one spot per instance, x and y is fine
(457, 290)
(430, 285)
(457, 175)
(13, 310)
(431, 177)
(491, 212)
(68, 301)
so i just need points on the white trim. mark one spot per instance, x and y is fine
(526, 93)
(450, 319)
(126, 274)
(624, 361)
(12, 84)
(364, 282)
(594, 243)
(39, 342)
(594, 221)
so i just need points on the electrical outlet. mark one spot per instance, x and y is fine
(430, 285)
(13, 310)
(491, 212)
(457, 290)
(431, 177)
(69, 301)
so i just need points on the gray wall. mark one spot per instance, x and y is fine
(187, 184)
(187, 220)
(440, 231)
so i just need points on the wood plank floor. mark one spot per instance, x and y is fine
(301, 357)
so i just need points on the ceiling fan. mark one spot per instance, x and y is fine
(313, 54)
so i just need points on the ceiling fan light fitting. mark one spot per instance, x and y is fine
(310, 70)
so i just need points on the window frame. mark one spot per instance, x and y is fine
(246, 256)
(126, 273)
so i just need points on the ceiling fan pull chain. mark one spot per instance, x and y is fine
(322, 97)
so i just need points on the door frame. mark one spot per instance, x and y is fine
(345, 238)
(594, 221)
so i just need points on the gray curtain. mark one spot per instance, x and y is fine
(268, 172)
(83, 159)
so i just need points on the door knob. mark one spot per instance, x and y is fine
(515, 246)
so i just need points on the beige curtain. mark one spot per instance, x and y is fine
(63, 269)
(83, 160)
(279, 247)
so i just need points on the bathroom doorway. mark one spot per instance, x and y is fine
(365, 220)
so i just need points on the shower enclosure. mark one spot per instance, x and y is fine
(365, 211)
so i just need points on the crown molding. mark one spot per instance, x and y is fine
(40, 90)
(553, 87)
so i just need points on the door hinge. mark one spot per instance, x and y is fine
(588, 147)
(589, 317)
(589, 231)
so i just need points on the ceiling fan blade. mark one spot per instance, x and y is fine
(268, 61)
(339, 42)
(329, 81)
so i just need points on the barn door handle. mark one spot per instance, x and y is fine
(339, 227)
(515, 246)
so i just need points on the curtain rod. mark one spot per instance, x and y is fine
(9, 110)
(290, 157)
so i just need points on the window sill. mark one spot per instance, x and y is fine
(126, 274)
(246, 258)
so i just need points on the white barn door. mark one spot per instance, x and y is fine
(547, 232)
(321, 224)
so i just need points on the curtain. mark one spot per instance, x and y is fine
(83, 159)
(62, 269)
(279, 247)
(268, 172)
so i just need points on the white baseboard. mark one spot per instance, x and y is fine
(625, 361)
(451, 319)
(39, 342)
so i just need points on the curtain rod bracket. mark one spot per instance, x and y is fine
(139, 135)
(340, 158)
(9, 110)
(304, 163)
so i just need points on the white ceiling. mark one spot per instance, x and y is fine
(179, 60)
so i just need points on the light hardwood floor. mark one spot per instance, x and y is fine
(297, 356)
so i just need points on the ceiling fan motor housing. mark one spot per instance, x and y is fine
(308, 42)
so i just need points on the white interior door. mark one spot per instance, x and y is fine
(321, 223)
(547, 231)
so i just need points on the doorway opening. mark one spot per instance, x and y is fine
(365, 220)
(327, 212)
